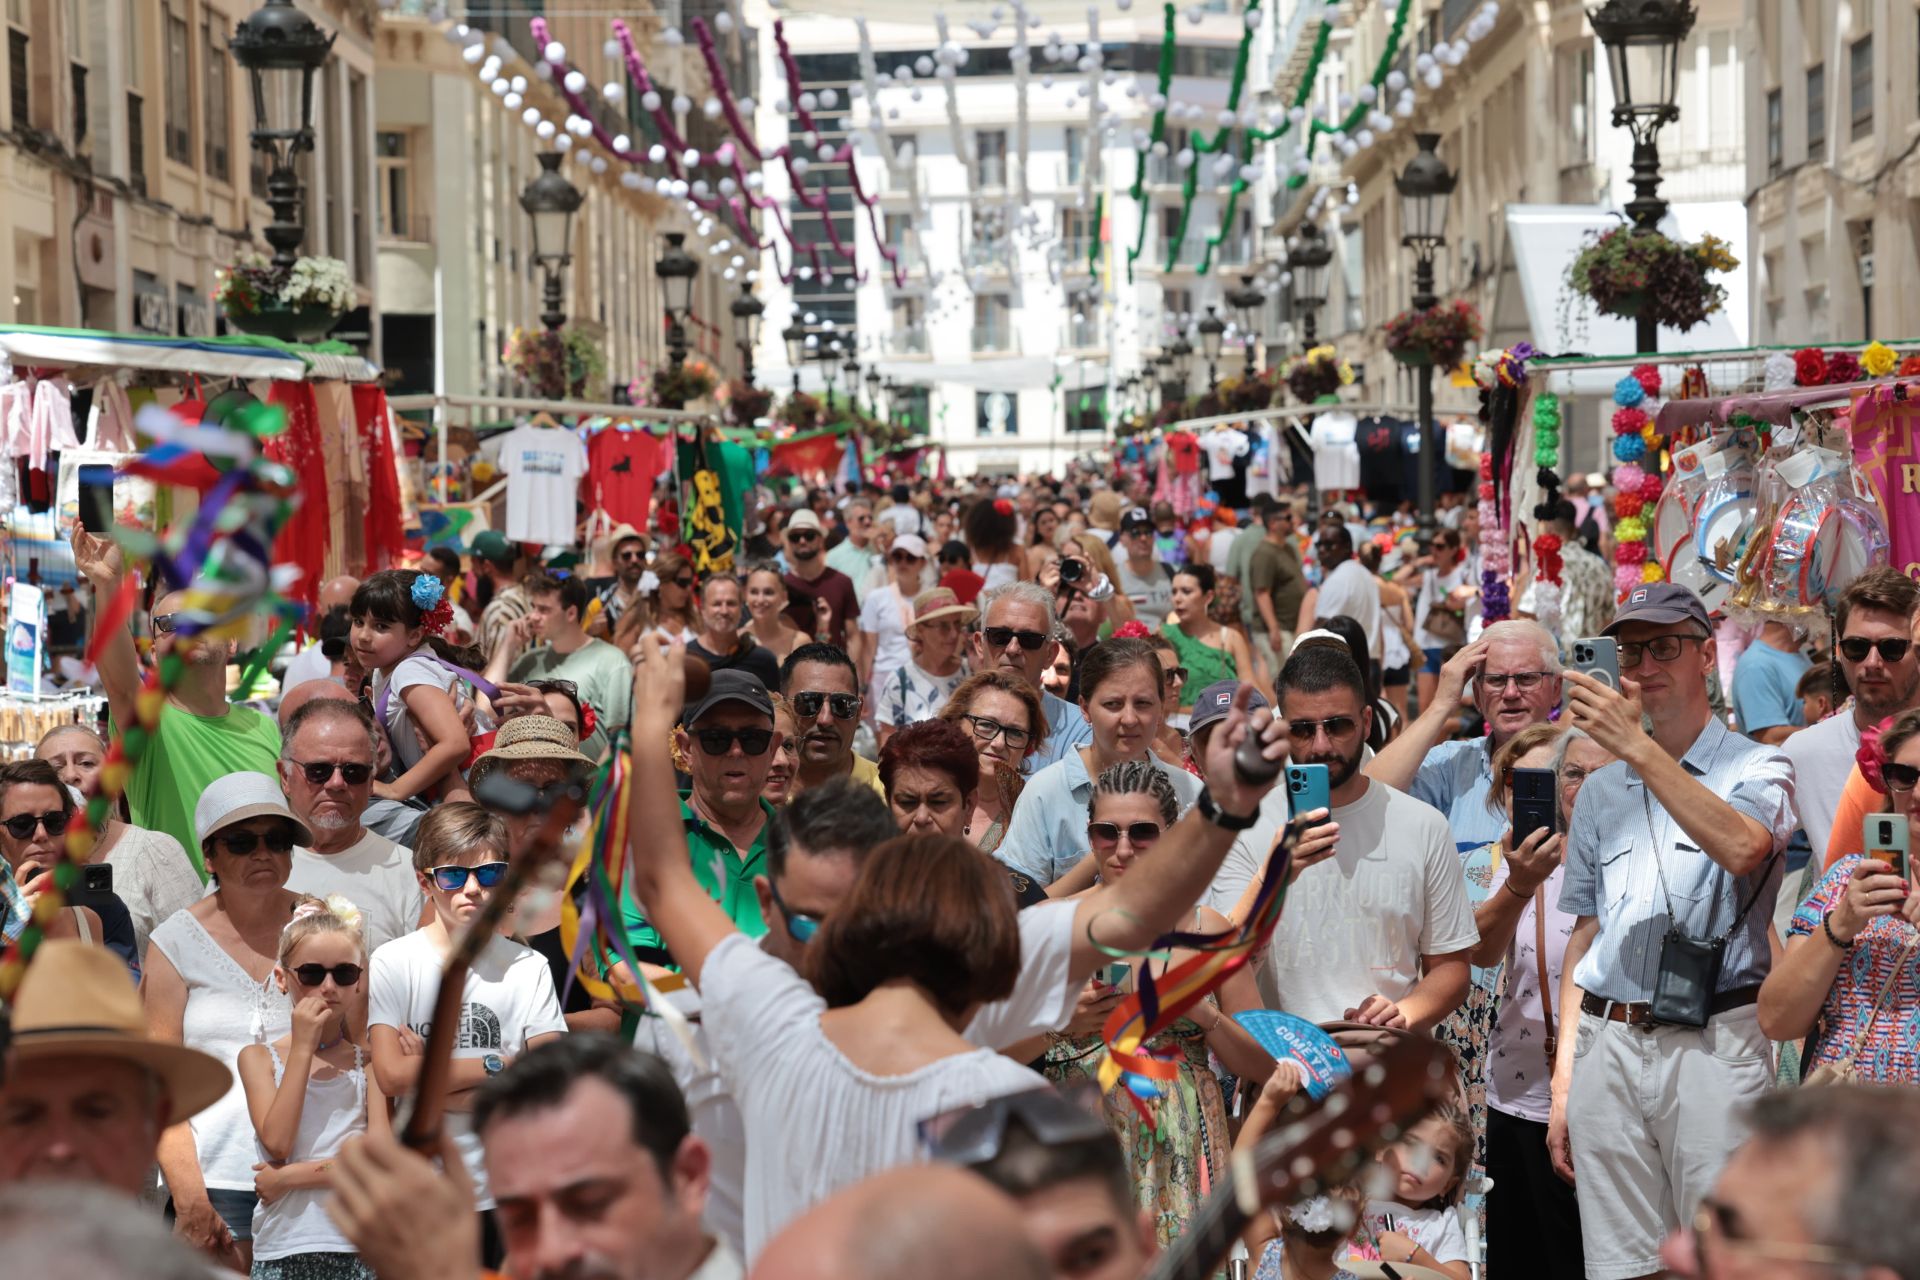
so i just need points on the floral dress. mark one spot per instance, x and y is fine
(1176, 1163)
(1468, 1029)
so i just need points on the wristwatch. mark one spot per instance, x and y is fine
(1212, 812)
(494, 1064)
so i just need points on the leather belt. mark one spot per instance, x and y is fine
(1639, 1013)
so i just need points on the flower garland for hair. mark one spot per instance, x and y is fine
(1546, 547)
(1636, 488)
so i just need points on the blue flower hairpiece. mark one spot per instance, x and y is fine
(426, 592)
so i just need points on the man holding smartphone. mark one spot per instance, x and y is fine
(1673, 862)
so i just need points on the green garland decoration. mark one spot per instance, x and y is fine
(1359, 112)
(1138, 191)
(1209, 146)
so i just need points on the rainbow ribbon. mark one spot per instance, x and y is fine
(1158, 1004)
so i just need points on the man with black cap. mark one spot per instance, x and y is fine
(1673, 862)
(1147, 582)
(497, 561)
(727, 738)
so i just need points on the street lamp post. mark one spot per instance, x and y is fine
(1171, 392)
(676, 270)
(795, 335)
(1642, 39)
(746, 310)
(1246, 302)
(1213, 330)
(828, 354)
(852, 369)
(1182, 352)
(551, 201)
(282, 49)
(1309, 261)
(873, 381)
(1426, 189)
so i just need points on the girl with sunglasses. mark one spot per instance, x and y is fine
(308, 1092)
(509, 1004)
(1851, 968)
(1132, 806)
(676, 614)
(208, 986)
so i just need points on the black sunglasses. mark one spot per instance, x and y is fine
(845, 706)
(163, 624)
(1892, 648)
(1898, 777)
(717, 742)
(632, 553)
(1029, 640)
(320, 772)
(685, 584)
(1139, 834)
(312, 975)
(1336, 727)
(801, 535)
(21, 826)
(241, 844)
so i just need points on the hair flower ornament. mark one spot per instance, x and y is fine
(429, 596)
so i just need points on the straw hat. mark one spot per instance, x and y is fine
(941, 602)
(532, 738)
(76, 1002)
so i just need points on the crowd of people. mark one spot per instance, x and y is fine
(920, 792)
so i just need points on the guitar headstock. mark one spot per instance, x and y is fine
(1326, 1143)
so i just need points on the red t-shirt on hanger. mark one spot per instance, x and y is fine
(621, 468)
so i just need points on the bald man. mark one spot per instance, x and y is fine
(200, 738)
(931, 1222)
(312, 663)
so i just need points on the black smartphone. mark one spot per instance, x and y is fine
(95, 884)
(96, 498)
(1533, 805)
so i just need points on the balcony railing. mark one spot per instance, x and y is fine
(993, 339)
(905, 342)
(1083, 336)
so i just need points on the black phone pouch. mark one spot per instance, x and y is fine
(1689, 975)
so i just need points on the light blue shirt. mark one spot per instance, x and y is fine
(1456, 778)
(1067, 732)
(1611, 871)
(1047, 834)
(1764, 680)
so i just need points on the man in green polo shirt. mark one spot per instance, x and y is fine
(728, 740)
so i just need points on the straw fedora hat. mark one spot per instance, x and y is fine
(941, 602)
(76, 1002)
(532, 738)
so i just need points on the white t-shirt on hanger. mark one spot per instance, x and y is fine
(543, 467)
(1336, 457)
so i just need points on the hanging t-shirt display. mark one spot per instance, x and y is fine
(1184, 448)
(1223, 445)
(1336, 458)
(1380, 459)
(543, 467)
(622, 464)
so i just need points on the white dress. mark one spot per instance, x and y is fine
(297, 1223)
(226, 1011)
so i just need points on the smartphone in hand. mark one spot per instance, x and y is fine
(1885, 840)
(1533, 803)
(1598, 657)
(1307, 789)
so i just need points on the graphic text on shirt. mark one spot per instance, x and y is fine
(479, 1028)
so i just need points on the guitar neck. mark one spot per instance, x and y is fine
(1209, 1237)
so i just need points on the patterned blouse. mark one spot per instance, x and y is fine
(1891, 1054)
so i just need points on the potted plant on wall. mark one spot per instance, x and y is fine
(300, 303)
(1437, 335)
(1627, 272)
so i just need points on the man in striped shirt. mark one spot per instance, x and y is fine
(498, 561)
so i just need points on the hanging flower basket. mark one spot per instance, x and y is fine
(1320, 372)
(800, 411)
(559, 365)
(1438, 335)
(745, 403)
(1634, 274)
(693, 380)
(300, 303)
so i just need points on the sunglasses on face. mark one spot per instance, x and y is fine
(632, 554)
(902, 557)
(21, 826)
(312, 975)
(717, 742)
(685, 584)
(986, 730)
(800, 928)
(1176, 675)
(1105, 835)
(163, 624)
(999, 637)
(452, 879)
(1892, 648)
(320, 772)
(1336, 727)
(1898, 777)
(845, 706)
(801, 535)
(241, 844)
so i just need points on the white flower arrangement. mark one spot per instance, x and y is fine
(319, 281)
(254, 282)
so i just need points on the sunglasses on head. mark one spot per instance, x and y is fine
(451, 879)
(717, 742)
(312, 975)
(241, 844)
(845, 706)
(320, 772)
(1107, 834)
(1892, 648)
(999, 637)
(21, 826)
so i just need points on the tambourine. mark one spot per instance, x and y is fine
(1693, 573)
(1790, 573)
(1672, 522)
(1850, 540)
(1721, 529)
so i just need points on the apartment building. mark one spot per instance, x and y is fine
(127, 173)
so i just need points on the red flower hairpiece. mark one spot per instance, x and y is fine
(1870, 757)
(436, 620)
(588, 720)
(1003, 506)
(1133, 629)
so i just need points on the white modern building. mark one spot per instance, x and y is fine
(1033, 282)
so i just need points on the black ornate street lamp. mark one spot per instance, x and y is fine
(1182, 353)
(1642, 39)
(747, 311)
(852, 369)
(1247, 302)
(282, 49)
(551, 201)
(1426, 190)
(795, 336)
(1171, 392)
(676, 270)
(873, 381)
(1213, 332)
(828, 354)
(1309, 260)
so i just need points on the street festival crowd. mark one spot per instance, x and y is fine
(919, 794)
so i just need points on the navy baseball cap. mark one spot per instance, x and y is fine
(1660, 603)
(1214, 701)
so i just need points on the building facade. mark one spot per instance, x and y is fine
(1833, 104)
(128, 176)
